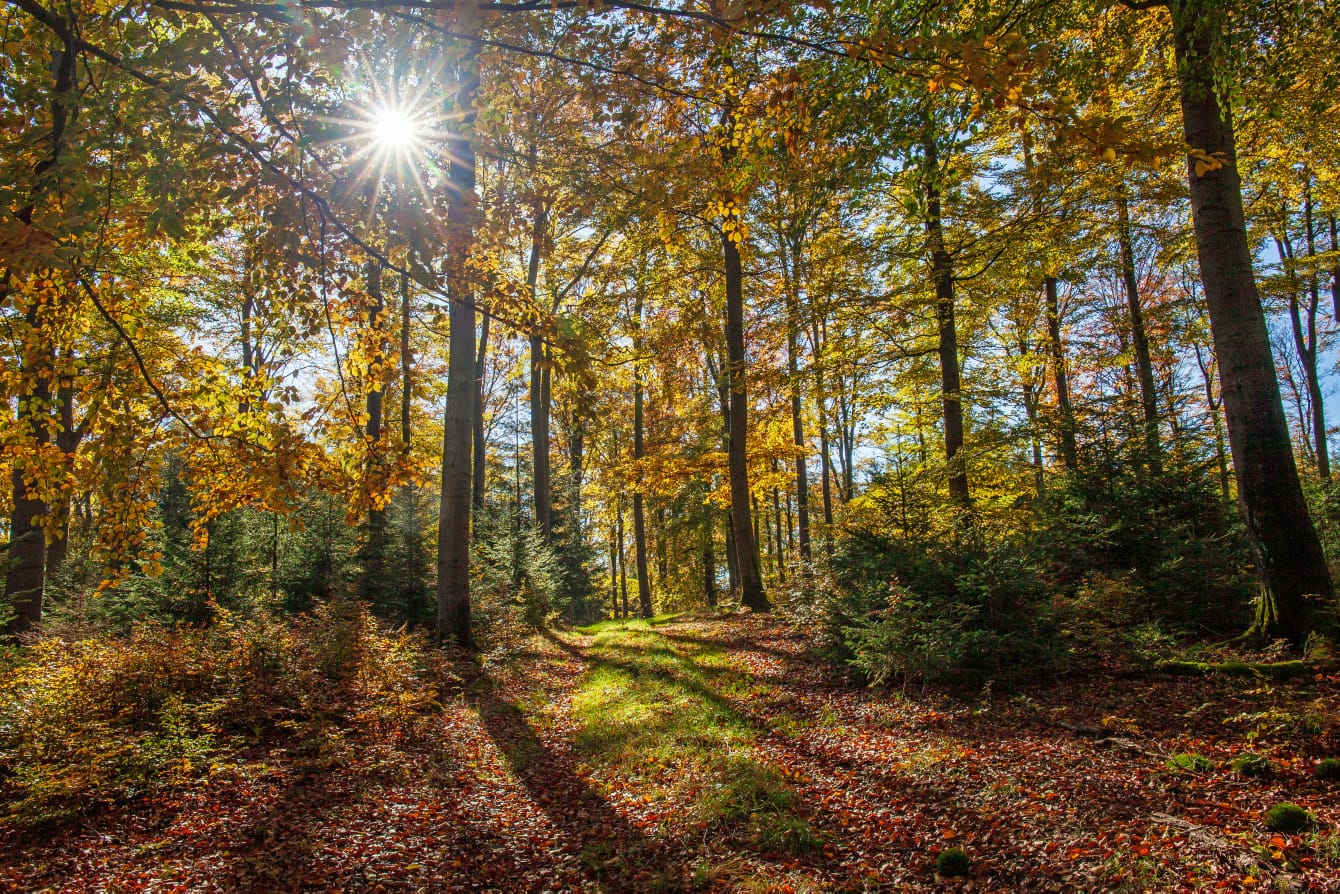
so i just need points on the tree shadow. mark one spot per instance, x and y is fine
(742, 642)
(613, 851)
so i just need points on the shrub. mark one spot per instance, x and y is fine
(1170, 538)
(1195, 763)
(103, 718)
(1288, 818)
(1327, 768)
(958, 613)
(1253, 765)
(953, 862)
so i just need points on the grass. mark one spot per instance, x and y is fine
(629, 624)
(662, 713)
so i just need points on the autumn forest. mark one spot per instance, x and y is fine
(732, 445)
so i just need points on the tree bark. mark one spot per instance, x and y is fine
(1069, 449)
(1144, 365)
(709, 561)
(406, 366)
(479, 469)
(623, 558)
(372, 585)
(791, 273)
(1305, 346)
(453, 542)
(752, 594)
(1291, 563)
(639, 450)
(1335, 269)
(942, 274)
(25, 577)
(1322, 449)
(1216, 418)
(539, 412)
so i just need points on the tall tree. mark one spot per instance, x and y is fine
(1292, 565)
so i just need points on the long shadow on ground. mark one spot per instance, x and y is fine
(616, 854)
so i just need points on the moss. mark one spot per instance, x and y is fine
(1252, 764)
(1287, 818)
(1327, 768)
(1277, 670)
(953, 862)
(1195, 763)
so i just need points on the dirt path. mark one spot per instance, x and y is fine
(717, 755)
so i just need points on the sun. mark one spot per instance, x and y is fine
(394, 130)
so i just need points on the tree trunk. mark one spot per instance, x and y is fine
(1069, 450)
(1031, 413)
(709, 562)
(614, 578)
(623, 559)
(1310, 365)
(752, 594)
(406, 366)
(792, 288)
(25, 577)
(942, 273)
(539, 413)
(639, 450)
(479, 484)
(779, 554)
(1335, 269)
(1291, 562)
(1144, 366)
(576, 457)
(1221, 454)
(372, 577)
(67, 439)
(453, 541)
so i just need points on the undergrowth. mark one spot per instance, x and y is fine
(106, 718)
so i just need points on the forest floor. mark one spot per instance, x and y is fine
(719, 754)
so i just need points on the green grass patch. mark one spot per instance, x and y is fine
(659, 715)
(629, 624)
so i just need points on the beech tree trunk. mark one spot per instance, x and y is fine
(479, 484)
(1303, 325)
(723, 398)
(539, 411)
(942, 273)
(372, 584)
(639, 448)
(1310, 370)
(453, 539)
(752, 594)
(1069, 450)
(1216, 418)
(1290, 559)
(792, 287)
(1144, 365)
(25, 576)
(623, 558)
(1335, 269)
(709, 560)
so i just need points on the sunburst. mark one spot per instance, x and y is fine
(396, 134)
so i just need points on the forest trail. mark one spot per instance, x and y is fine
(717, 754)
